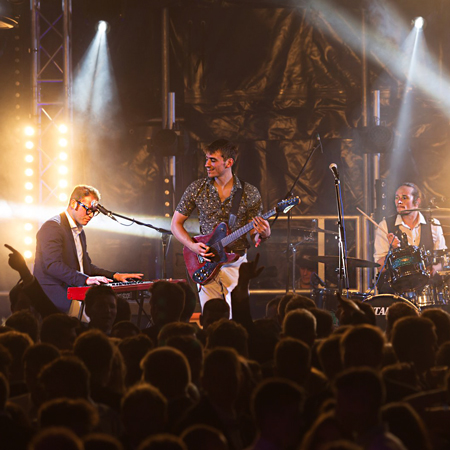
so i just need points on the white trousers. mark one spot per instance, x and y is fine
(222, 285)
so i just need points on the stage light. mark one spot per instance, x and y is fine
(28, 199)
(28, 240)
(28, 186)
(63, 129)
(63, 197)
(63, 142)
(29, 158)
(29, 172)
(29, 145)
(63, 183)
(27, 254)
(103, 27)
(63, 156)
(419, 23)
(29, 131)
(63, 170)
(28, 227)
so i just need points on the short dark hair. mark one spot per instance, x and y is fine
(226, 148)
(83, 190)
(98, 291)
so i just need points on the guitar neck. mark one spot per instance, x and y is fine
(227, 240)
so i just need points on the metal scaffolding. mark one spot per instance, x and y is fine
(52, 94)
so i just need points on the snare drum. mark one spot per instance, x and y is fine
(380, 304)
(407, 269)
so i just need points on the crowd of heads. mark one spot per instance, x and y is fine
(300, 378)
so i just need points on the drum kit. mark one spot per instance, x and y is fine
(407, 272)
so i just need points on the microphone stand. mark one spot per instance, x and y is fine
(343, 282)
(165, 234)
(288, 195)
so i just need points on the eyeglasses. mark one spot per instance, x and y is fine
(89, 211)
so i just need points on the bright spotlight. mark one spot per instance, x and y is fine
(28, 226)
(28, 199)
(29, 145)
(63, 183)
(63, 156)
(419, 22)
(102, 26)
(29, 158)
(28, 186)
(63, 170)
(29, 172)
(28, 240)
(63, 197)
(63, 142)
(29, 131)
(27, 254)
(63, 128)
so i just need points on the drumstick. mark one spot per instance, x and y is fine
(373, 221)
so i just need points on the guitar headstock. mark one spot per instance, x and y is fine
(286, 205)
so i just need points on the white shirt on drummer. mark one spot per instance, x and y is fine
(381, 245)
(76, 231)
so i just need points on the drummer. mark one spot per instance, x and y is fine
(419, 231)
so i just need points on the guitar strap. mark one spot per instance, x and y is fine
(235, 205)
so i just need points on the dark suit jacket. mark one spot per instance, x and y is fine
(56, 265)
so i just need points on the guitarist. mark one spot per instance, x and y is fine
(213, 197)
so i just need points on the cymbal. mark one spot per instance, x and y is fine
(334, 261)
(428, 210)
(317, 230)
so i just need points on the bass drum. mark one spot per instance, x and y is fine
(380, 304)
(326, 298)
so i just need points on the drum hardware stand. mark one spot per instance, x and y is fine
(293, 248)
(343, 282)
(290, 194)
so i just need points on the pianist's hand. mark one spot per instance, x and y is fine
(123, 277)
(97, 280)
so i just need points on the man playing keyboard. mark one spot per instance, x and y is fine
(62, 259)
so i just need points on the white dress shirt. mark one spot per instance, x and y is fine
(76, 231)
(381, 245)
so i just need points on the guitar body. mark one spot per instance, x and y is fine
(202, 271)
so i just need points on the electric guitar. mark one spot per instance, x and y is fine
(202, 271)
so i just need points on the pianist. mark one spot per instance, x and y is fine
(62, 259)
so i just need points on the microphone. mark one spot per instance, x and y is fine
(320, 142)
(95, 205)
(334, 169)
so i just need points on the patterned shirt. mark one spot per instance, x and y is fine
(203, 195)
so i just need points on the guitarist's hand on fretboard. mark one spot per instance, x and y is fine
(262, 228)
